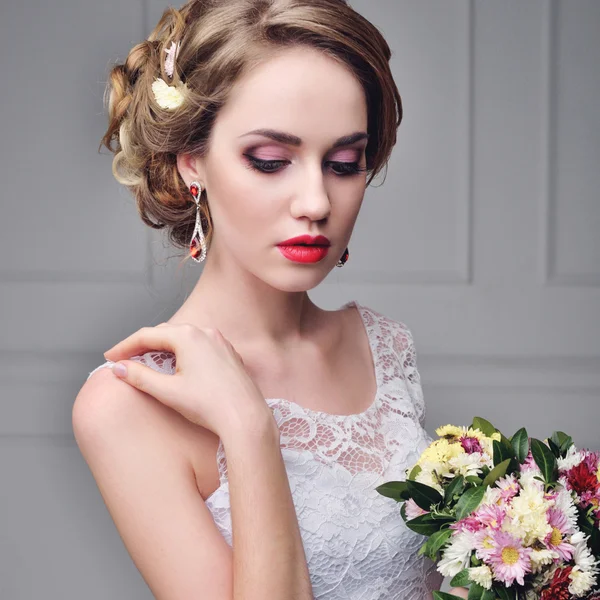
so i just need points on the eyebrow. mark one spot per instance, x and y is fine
(293, 140)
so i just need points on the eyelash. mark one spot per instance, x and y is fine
(262, 166)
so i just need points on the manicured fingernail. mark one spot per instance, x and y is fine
(119, 369)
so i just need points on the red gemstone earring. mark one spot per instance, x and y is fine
(198, 243)
(344, 259)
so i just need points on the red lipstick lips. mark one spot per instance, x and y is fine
(305, 248)
(306, 240)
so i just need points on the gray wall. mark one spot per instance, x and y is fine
(484, 239)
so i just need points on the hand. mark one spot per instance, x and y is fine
(210, 387)
(461, 592)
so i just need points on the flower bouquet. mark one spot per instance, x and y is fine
(511, 518)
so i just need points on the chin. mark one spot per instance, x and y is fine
(297, 281)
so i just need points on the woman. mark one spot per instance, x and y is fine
(253, 419)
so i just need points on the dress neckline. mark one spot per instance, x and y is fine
(378, 384)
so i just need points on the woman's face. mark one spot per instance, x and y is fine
(263, 191)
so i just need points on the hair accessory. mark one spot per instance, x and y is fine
(344, 259)
(167, 96)
(198, 243)
(172, 53)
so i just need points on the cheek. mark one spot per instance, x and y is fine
(244, 204)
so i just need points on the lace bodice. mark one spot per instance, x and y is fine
(356, 544)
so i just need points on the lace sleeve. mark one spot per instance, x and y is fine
(408, 359)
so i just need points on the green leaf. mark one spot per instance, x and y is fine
(520, 444)
(439, 516)
(484, 426)
(403, 512)
(585, 523)
(455, 487)
(398, 490)
(555, 449)
(437, 541)
(476, 562)
(423, 495)
(424, 525)
(461, 579)
(502, 451)
(594, 541)
(497, 472)
(505, 593)
(476, 592)
(469, 501)
(563, 441)
(445, 596)
(414, 472)
(544, 459)
(474, 479)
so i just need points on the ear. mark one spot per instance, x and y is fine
(191, 168)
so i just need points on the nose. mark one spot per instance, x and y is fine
(312, 197)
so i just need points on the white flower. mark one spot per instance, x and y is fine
(457, 554)
(167, 96)
(586, 566)
(582, 555)
(481, 575)
(571, 459)
(527, 478)
(467, 464)
(581, 582)
(527, 515)
(492, 495)
(541, 558)
(564, 502)
(426, 475)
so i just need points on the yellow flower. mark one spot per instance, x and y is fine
(167, 96)
(440, 451)
(450, 430)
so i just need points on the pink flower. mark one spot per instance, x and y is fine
(487, 515)
(469, 523)
(484, 544)
(413, 510)
(555, 539)
(510, 561)
(490, 515)
(510, 487)
(470, 444)
(529, 464)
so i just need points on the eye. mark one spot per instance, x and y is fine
(264, 166)
(346, 168)
(272, 166)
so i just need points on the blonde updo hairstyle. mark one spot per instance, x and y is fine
(220, 40)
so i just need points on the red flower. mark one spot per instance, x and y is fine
(559, 586)
(582, 478)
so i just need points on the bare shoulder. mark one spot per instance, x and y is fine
(141, 455)
(105, 405)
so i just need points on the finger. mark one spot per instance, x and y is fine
(160, 385)
(146, 339)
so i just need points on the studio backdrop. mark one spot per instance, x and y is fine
(483, 238)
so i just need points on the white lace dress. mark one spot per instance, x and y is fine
(356, 544)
